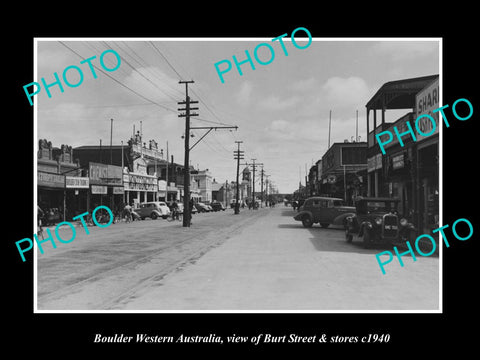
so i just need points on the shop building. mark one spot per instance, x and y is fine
(121, 173)
(343, 171)
(409, 172)
(204, 180)
(60, 184)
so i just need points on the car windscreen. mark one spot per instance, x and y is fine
(381, 206)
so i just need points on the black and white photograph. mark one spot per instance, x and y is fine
(179, 183)
(237, 174)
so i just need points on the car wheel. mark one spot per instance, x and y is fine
(324, 225)
(348, 236)
(307, 221)
(153, 216)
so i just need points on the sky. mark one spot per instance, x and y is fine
(281, 109)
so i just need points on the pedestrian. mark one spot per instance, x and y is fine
(127, 212)
(175, 215)
(40, 215)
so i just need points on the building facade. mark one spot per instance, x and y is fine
(409, 172)
(343, 171)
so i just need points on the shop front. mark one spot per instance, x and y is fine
(428, 172)
(51, 194)
(76, 191)
(106, 186)
(399, 180)
(139, 188)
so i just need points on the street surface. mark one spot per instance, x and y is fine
(258, 260)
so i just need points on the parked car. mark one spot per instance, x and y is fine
(323, 210)
(153, 210)
(378, 222)
(217, 206)
(300, 204)
(193, 210)
(201, 207)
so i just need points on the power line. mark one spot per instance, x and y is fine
(180, 76)
(168, 62)
(149, 69)
(117, 81)
(150, 81)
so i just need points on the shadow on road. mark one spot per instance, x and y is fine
(332, 239)
(289, 212)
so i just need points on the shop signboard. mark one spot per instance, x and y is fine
(398, 162)
(77, 182)
(402, 127)
(118, 190)
(50, 180)
(138, 182)
(374, 163)
(104, 174)
(426, 101)
(98, 189)
(162, 185)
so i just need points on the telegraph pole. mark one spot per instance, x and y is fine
(261, 185)
(238, 155)
(254, 168)
(186, 177)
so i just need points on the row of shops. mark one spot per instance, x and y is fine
(408, 171)
(68, 187)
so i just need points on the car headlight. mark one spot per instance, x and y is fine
(378, 221)
(403, 222)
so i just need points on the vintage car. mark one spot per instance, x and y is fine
(377, 221)
(153, 210)
(323, 210)
(217, 206)
(201, 207)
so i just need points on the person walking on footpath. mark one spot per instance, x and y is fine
(175, 215)
(127, 212)
(40, 215)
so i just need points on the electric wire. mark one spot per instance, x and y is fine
(119, 82)
(151, 70)
(146, 78)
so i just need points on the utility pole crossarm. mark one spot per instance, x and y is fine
(209, 128)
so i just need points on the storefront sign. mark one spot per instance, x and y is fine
(104, 174)
(138, 182)
(374, 163)
(398, 162)
(162, 185)
(118, 190)
(50, 180)
(77, 182)
(426, 101)
(97, 189)
(400, 125)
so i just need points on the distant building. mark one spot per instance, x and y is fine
(204, 180)
(343, 171)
